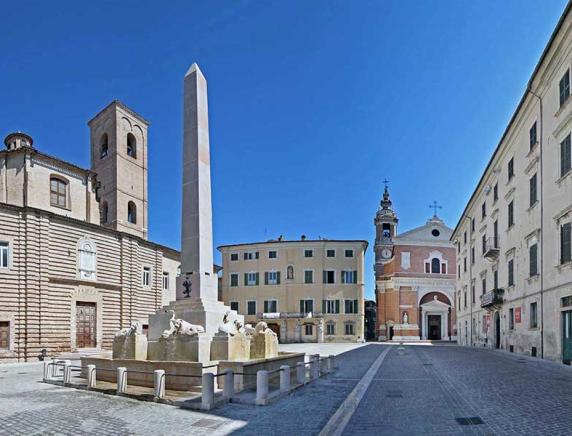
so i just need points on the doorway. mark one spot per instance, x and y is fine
(276, 329)
(497, 330)
(567, 337)
(85, 325)
(390, 333)
(434, 327)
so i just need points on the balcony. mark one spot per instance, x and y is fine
(491, 249)
(492, 298)
(285, 315)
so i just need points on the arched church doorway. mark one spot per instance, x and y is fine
(497, 330)
(435, 316)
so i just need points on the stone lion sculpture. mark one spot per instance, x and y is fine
(227, 326)
(262, 328)
(249, 330)
(180, 327)
(134, 329)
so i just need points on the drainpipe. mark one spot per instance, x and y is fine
(529, 89)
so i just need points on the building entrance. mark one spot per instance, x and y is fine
(85, 325)
(434, 327)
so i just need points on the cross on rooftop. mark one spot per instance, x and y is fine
(435, 206)
(385, 182)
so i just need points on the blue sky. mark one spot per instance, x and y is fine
(312, 103)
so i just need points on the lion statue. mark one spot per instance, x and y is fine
(180, 327)
(134, 329)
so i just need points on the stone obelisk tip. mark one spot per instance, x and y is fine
(193, 68)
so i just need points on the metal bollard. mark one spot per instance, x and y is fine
(314, 368)
(228, 389)
(159, 383)
(121, 380)
(67, 372)
(207, 401)
(261, 387)
(285, 378)
(301, 373)
(46, 371)
(91, 377)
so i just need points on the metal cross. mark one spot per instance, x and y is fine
(385, 182)
(435, 206)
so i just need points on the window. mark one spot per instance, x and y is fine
(533, 194)
(564, 87)
(533, 315)
(444, 268)
(251, 279)
(272, 254)
(511, 214)
(495, 279)
(131, 145)
(270, 306)
(349, 276)
(308, 253)
(473, 293)
(351, 306)
(484, 242)
(272, 278)
(349, 327)
(435, 232)
(458, 271)
(233, 257)
(308, 276)
(132, 213)
(329, 277)
(330, 253)
(104, 212)
(565, 157)
(4, 335)
(349, 253)
(58, 192)
(251, 308)
(146, 276)
(308, 329)
(4, 253)
(511, 272)
(330, 328)
(464, 264)
(331, 306)
(103, 146)
(234, 280)
(435, 266)
(234, 305)
(465, 238)
(472, 255)
(465, 297)
(472, 225)
(306, 306)
(496, 192)
(165, 281)
(484, 285)
(484, 209)
(533, 254)
(566, 242)
(511, 319)
(290, 272)
(251, 255)
(86, 260)
(510, 168)
(533, 136)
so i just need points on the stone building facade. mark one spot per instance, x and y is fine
(75, 262)
(514, 279)
(414, 279)
(306, 290)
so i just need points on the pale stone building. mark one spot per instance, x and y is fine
(306, 290)
(75, 262)
(514, 276)
(414, 279)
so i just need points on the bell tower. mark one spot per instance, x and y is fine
(118, 138)
(385, 231)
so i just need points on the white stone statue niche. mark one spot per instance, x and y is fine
(232, 341)
(130, 343)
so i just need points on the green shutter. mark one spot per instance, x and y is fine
(343, 277)
(245, 279)
(257, 278)
(337, 306)
(324, 276)
(257, 255)
(266, 277)
(323, 306)
(278, 277)
(356, 306)
(301, 306)
(355, 276)
(266, 306)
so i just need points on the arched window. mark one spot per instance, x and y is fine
(131, 145)
(86, 259)
(103, 146)
(58, 192)
(435, 265)
(132, 213)
(290, 272)
(103, 213)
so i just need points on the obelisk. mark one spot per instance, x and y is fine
(196, 224)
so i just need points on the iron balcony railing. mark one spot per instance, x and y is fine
(492, 298)
(491, 250)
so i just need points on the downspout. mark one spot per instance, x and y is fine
(529, 89)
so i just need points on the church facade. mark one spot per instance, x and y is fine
(75, 262)
(414, 279)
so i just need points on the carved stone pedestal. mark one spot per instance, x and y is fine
(264, 346)
(130, 347)
(182, 348)
(227, 347)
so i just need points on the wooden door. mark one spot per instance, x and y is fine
(567, 337)
(4, 335)
(85, 325)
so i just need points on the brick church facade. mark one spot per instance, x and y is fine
(414, 278)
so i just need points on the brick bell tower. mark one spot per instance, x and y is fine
(385, 231)
(118, 137)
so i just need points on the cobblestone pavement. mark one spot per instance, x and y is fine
(423, 390)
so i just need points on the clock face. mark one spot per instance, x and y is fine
(386, 253)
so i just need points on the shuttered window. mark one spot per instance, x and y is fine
(270, 306)
(331, 306)
(566, 243)
(351, 306)
(533, 191)
(564, 87)
(565, 156)
(251, 305)
(533, 257)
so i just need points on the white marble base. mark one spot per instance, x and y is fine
(230, 348)
(130, 347)
(181, 348)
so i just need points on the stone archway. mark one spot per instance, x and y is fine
(435, 316)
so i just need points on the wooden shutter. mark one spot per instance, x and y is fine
(266, 306)
(266, 278)
(257, 277)
(257, 255)
(325, 276)
(337, 306)
(323, 306)
(355, 276)
(343, 277)
(278, 277)
(566, 242)
(355, 306)
(245, 279)
(301, 306)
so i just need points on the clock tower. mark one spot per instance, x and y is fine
(385, 230)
